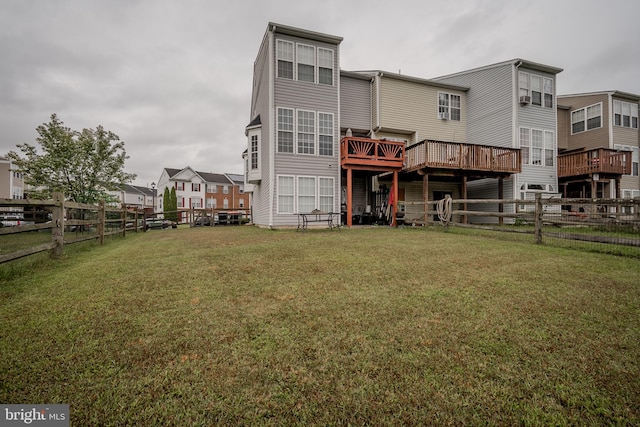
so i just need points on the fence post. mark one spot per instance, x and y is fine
(538, 218)
(102, 219)
(124, 220)
(57, 232)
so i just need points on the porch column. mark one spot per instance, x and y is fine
(594, 188)
(394, 222)
(500, 196)
(349, 195)
(464, 196)
(425, 195)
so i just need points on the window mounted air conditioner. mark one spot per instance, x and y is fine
(524, 100)
(443, 116)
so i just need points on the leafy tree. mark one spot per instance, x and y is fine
(166, 203)
(82, 165)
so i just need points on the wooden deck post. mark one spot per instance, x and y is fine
(394, 221)
(501, 196)
(538, 218)
(349, 196)
(425, 196)
(464, 196)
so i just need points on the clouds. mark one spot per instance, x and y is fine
(173, 79)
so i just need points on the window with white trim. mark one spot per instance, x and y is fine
(326, 193)
(635, 154)
(586, 118)
(285, 193)
(181, 202)
(548, 92)
(225, 189)
(196, 202)
(180, 186)
(306, 132)
(254, 152)
(212, 203)
(306, 63)
(306, 193)
(449, 106)
(523, 81)
(325, 134)
(536, 90)
(537, 141)
(525, 144)
(549, 148)
(625, 114)
(195, 186)
(284, 55)
(325, 66)
(225, 203)
(285, 130)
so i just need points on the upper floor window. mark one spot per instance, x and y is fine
(325, 66)
(225, 189)
(284, 54)
(625, 114)
(180, 186)
(306, 63)
(312, 134)
(254, 152)
(448, 106)
(586, 118)
(537, 88)
(195, 186)
(312, 64)
(538, 147)
(635, 157)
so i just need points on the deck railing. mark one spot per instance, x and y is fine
(452, 155)
(600, 160)
(365, 152)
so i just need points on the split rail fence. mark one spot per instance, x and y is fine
(49, 225)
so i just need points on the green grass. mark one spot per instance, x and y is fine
(242, 326)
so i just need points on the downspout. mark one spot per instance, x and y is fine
(272, 161)
(515, 131)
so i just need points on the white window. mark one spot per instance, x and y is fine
(625, 114)
(326, 192)
(523, 79)
(594, 116)
(549, 148)
(634, 157)
(195, 186)
(325, 66)
(254, 152)
(225, 189)
(306, 132)
(325, 134)
(284, 54)
(212, 203)
(548, 92)
(586, 118)
(448, 106)
(180, 186)
(181, 202)
(536, 90)
(225, 203)
(306, 63)
(577, 121)
(285, 130)
(306, 194)
(536, 146)
(525, 144)
(285, 194)
(196, 202)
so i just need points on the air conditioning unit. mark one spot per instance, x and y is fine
(524, 100)
(443, 116)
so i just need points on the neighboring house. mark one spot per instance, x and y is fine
(293, 131)
(513, 104)
(134, 196)
(598, 145)
(11, 184)
(483, 133)
(198, 190)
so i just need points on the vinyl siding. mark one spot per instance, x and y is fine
(355, 104)
(489, 105)
(410, 107)
(589, 139)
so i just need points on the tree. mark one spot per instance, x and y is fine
(166, 203)
(82, 165)
(174, 204)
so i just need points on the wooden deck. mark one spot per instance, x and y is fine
(454, 156)
(371, 154)
(601, 161)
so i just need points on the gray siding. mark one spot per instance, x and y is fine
(355, 104)
(489, 105)
(589, 139)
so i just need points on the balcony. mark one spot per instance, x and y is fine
(457, 157)
(601, 161)
(371, 154)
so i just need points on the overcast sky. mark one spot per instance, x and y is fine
(173, 78)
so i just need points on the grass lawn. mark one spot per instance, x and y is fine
(243, 326)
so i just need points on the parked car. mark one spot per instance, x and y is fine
(156, 224)
(204, 221)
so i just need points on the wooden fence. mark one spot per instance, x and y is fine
(65, 222)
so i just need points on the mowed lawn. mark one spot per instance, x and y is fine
(245, 326)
